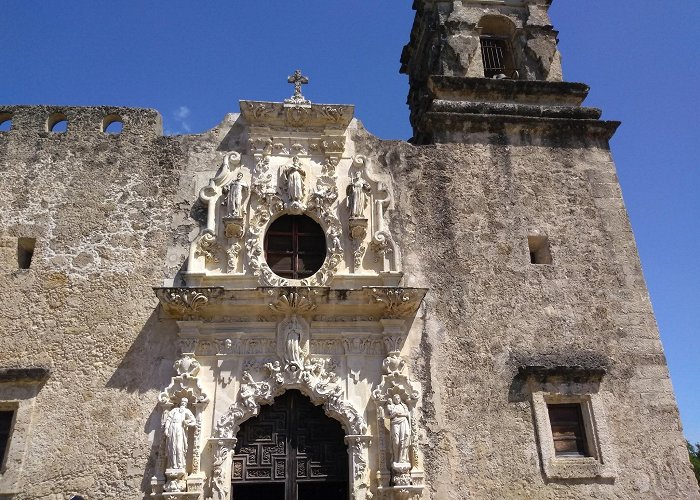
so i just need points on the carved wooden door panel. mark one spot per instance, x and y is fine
(290, 451)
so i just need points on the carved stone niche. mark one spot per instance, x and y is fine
(182, 480)
(400, 471)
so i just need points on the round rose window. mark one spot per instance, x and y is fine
(295, 247)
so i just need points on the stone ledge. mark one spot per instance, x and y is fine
(572, 373)
(31, 374)
(440, 127)
(269, 302)
(457, 88)
(515, 109)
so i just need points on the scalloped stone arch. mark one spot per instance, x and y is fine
(312, 381)
(335, 415)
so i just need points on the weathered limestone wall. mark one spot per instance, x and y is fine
(114, 216)
(100, 208)
(463, 215)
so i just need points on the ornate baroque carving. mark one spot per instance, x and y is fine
(208, 247)
(398, 302)
(185, 301)
(294, 301)
(312, 379)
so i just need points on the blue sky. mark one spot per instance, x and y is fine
(193, 61)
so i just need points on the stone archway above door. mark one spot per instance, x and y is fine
(290, 451)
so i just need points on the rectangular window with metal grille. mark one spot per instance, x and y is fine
(494, 53)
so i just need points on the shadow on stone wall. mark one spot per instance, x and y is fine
(147, 365)
(146, 369)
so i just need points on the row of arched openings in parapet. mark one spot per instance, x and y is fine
(58, 123)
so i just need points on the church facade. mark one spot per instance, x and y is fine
(288, 307)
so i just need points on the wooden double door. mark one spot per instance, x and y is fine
(290, 451)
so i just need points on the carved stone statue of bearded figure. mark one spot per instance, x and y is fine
(358, 192)
(294, 175)
(235, 194)
(400, 418)
(176, 424)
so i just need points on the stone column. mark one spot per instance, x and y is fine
(358, 453)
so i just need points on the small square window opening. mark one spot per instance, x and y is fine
(568, 432)
(6, 418)
(539, 249)
(25, 252)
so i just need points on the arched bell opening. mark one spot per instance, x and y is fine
(290, 451)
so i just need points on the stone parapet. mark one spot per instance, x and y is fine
(37, 120)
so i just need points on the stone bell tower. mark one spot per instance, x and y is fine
(546, 371)
(454, 46)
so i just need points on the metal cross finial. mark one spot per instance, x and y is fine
(298, 80)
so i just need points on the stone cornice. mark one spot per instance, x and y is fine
(270, 302)
(297, 114)
(33, 374)
(568, 373)
(442, 125)
(457, 88)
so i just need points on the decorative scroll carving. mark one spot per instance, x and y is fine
(187, 365)
(183, 386)
(185, 301)
(258, 110)
(357, 448)
(393, 364)
(207, 247)
(398, 302)
(296, 113)
(334, 113)
(232, 254)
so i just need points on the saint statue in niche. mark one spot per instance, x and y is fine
(400, 418)
(294, 352)
(294, 175)
(235, 194)
(358, 192)
(176, 424)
